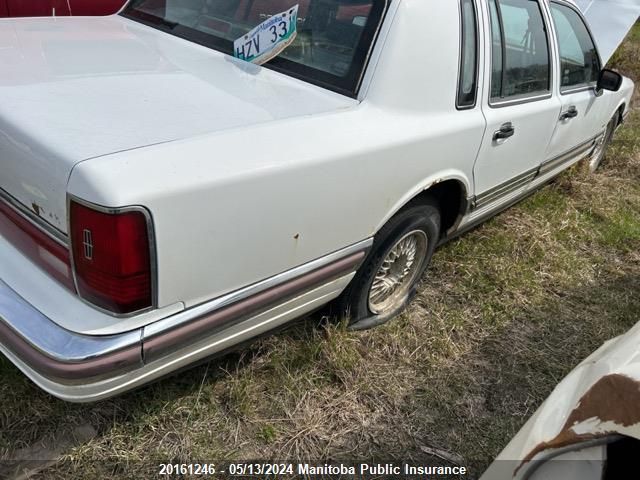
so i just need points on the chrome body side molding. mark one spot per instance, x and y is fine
(175, 321)
(568, 157)
(63, 361)
(502, 193)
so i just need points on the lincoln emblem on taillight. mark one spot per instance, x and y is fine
(88, 244)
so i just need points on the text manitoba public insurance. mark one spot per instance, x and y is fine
(379, 469)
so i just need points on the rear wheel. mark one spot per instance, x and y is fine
(601, 148)
(400, 254)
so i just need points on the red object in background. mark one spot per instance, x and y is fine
(46, 8)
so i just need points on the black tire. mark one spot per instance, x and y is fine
(353, 305)
(595, 160)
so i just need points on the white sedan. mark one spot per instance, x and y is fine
(188, 174)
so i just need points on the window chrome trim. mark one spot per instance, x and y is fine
(503, 47)
(34, 219)
(498, 102)
(153, 254)
(585, 87)
(461, 62)
(520, 99)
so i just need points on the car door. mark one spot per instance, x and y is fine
(519, 105)
(584, 114)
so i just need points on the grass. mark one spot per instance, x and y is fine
(505, 312)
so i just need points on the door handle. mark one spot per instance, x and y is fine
(507, 130)
(569, 114)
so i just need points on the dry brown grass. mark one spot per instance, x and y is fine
(505, 312)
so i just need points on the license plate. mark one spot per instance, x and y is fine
(268, 39)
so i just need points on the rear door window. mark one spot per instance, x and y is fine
(579, 60)
(468, 82)
(520, 52)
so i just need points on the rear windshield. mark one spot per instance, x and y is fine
(331, 48)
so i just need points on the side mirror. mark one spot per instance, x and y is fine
(609, 80)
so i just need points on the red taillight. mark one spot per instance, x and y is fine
(111, 257)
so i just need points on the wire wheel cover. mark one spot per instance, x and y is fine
(398, 272)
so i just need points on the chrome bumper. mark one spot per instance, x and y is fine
(58, 353)
(84, 368)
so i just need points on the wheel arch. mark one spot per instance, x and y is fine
(622, 107)
(450, 190)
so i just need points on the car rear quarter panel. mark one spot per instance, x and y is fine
(239, 206)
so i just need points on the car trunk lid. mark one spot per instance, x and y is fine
(73, 89)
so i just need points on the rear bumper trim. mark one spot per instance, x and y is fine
(50, 367)
(56, 352)
(71, 359)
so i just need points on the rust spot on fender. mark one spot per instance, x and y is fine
(437, 181)
(613, 398)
